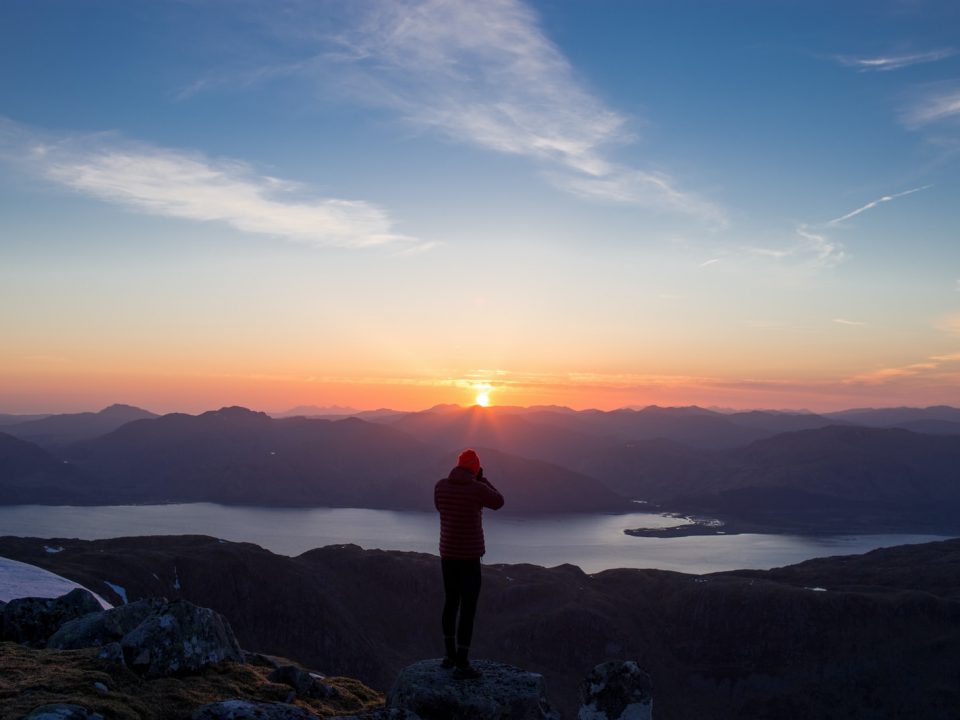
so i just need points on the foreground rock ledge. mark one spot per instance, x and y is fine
(503, 692)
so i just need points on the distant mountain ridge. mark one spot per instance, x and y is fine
(56, 431)
(787, 470)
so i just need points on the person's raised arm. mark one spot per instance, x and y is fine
(490, 497)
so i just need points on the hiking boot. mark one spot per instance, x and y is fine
(447, 663)
(466, 672)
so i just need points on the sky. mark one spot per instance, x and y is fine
(399, 203)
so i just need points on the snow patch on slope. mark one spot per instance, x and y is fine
(119, 590)
(19, 579)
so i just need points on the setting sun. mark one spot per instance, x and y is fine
(483, 399)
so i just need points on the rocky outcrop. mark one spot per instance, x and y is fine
(154, 637)
(160, 639)
(503, 692)
(103, 628)
(179, 637)
(616, 690)
(32, 620)
(249, 710)
(170, 645)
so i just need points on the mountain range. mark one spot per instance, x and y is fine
(858, 469)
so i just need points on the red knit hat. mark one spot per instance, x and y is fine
(469, 460)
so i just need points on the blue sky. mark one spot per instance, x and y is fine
(592, 203)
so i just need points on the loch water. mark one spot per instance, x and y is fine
(593, 542)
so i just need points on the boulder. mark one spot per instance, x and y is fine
(616, 690)
(112, 652)
(306, 684)
(103, 628)
(62, 711)
(32, 620)
(503, 692)
(179, 638)
(249, 710)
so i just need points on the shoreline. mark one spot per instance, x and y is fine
(704, 526)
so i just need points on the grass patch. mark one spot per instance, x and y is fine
(29, 678)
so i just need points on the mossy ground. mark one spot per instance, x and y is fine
(29, 678)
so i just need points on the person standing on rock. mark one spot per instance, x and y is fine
(460, 498)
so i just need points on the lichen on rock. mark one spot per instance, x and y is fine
(180, 637)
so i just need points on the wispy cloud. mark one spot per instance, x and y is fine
(844, 321)
(816, 246)
(941, 367)
(484, 73)
(707, 263)
(179, 184)
(875, 203)
(812, 248)
(892, 373)
(893, 62)
(936, 102)
(825, 251)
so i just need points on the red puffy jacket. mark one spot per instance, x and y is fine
(460, 499)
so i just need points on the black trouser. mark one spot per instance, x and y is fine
(461, 587)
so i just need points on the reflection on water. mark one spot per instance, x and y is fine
(594, 542)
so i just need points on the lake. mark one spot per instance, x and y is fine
(593, 542)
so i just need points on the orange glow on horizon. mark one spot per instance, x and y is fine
(52, 390)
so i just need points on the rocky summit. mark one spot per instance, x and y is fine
(159, 660)
(502, 692)
(152, 660)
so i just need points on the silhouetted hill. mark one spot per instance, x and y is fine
(566, 436)
(781, 422)
(55, 431)
(455, 427)
(237, 456)
(895, 417)
(931, 427)
(27, 472)
(833, 478)
(530, 486)
(744, 644)
(737, 465)
(8, 419)
(930, 568)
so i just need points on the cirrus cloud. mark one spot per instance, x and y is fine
(189, 185)
(485, 74)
